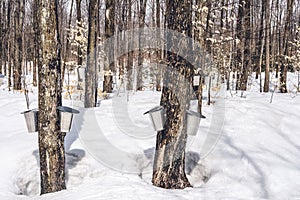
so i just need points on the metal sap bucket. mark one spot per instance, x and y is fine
(193, 121)
(31, 118)
(157, 117)
(66, 117)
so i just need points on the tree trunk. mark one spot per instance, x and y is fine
(109, 49)
(247, 52)
(239, 33)
(91, 71)
(10, 43)
(51, 140)
(169, 161)
(200, 91)
(36, 53)
(79, 51)
(267, 39)
(17, 72)
(1, 37)
(158, 52)
(140, 58)
(4, 38)
(67, 52)
(208, 28)
(129, 71)
(287, 26)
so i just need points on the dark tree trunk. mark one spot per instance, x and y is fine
(247, 52)
(158, 52)
(109, 49)
(287, 26)
(9, 43)
(1, 36)
(208, 31)
(260, 38)
(199, 93)
(129, 73)
(91, 71)
(4, 37)
(67, 52)
(36, 53)
(197, 37)
(79, 51)
(169, 161)
(51, 140)
(239, 33)
(267, 39)
(140, 58)
(18, 19)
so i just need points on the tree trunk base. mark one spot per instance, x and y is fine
(107, 84)
(170, 181)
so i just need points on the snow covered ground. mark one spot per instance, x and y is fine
(256, 155)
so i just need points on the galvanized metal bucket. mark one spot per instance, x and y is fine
(157, 117)
(31, 118)
(66, 117)
(193, 121)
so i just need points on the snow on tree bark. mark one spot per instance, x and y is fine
(51, 140)
(169, 161)
(91, 72)
(109, 32)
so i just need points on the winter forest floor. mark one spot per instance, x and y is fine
(255, 155)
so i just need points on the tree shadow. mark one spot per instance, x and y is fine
(72, 158)
(262, 182)
(193, 165)
(191, 161)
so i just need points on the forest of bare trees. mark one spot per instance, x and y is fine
(242, 36)
(51, 39)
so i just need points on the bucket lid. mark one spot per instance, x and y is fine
(155, 109)
(196, 114)
(67, 109)
(32, 110)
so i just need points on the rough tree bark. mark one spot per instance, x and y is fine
(267, 39)
(287, 26)
(91, 71)
(239, 34)
(18, 55)
(9, 43)
(109, 49)
(79, 51)
(158, 52)
(169, 161)
(129, 72)
(247, 52)
(51, 140)
(140, 59)
(67, 52)
(35, 19)
(197, 37)
(1, 36)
